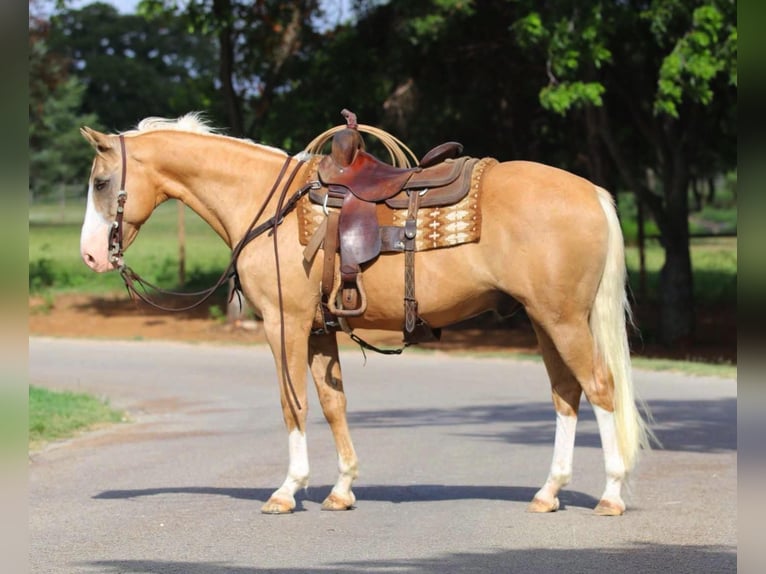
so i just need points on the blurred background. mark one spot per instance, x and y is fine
(640, 97)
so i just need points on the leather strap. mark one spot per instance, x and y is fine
(410, 231)
(315, 242)
(116, 230)
(330, 249)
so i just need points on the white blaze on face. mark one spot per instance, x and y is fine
(94, 237)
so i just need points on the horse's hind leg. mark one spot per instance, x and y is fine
(566, 393)
(325, 368)
(574, 345)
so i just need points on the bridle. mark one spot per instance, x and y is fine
(115, 231)
(140, 287)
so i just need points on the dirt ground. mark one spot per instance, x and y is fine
(117, 317)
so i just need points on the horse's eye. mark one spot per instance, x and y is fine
(100, 184)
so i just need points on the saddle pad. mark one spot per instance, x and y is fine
(437, 227)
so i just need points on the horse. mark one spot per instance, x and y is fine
(550, 242)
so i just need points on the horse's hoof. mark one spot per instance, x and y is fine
(335, 501)
(278, 506)
(610, 508)
(538, 505)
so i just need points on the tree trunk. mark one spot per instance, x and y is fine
(596, 167)
(676, 279)
(676, 300)
(222, 12)
(233, 105)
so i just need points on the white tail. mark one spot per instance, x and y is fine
(608, 324)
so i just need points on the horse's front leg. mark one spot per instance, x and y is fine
(325, 368)
(292, 393)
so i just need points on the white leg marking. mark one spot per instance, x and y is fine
(298, 470)
(563, 455)
(615, 468)
(346, 475)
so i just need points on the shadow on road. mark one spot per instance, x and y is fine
(690, 426)
(396, 494)
(635, 559)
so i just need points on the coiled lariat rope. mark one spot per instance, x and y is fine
(397, 150)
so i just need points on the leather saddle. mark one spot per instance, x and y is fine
(356, 182)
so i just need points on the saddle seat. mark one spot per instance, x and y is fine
(374, 181)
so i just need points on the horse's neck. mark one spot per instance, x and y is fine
(224, 180)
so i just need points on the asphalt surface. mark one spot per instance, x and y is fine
(451, 450)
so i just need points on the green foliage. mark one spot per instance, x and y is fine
(217, 313)
(714, 264)
(42, 274)
(57, 157)
(637, 95)
(54, 254)
(56, 415)
(529, 30)
(698, 56)
(431, 25)
(573, 43)
(563, 97)
(132, 67)
(720, 369)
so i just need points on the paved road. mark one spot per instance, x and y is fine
(451, 451)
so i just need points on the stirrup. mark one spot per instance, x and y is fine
(340, 311)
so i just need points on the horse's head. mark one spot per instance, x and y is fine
(103, 189)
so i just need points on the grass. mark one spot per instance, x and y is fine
(722, 370)
(714, 261)
(54, 251)
(55, 265)
(55, 415)
(725, 371)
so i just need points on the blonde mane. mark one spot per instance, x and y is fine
(192, 122)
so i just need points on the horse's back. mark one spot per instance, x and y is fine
(542, 190)
(543, 238)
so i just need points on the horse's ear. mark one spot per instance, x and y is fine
(100, 142)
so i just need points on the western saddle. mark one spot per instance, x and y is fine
(356, 183)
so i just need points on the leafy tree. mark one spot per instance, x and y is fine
(657, 81)
(638, 95)
(56, 158)
(133, 68)
(428, 71)
(255, 41)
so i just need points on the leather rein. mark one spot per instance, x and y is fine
(139, 287)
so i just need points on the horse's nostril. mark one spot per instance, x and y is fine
(90, 261)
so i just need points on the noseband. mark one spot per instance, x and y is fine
(115, 231)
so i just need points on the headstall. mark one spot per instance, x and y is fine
(115, 231)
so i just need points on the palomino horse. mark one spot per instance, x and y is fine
(550, 241)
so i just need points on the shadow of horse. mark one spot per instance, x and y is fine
(636, 558)
(395, 494)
